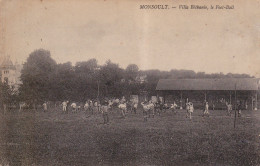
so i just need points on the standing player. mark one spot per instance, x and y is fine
(135, 107)
(91, 105)
(229, 109)
(74, 107)
(206, 109)
(95, 108)
(44, 107)
(189, 109)
(123, 108)
(145, 110)
(151, 108)
(86, 107)
(174, 107)
(64, 106)
(123, 100)
(104, 110)
(239, 108)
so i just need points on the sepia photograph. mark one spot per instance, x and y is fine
(128, 82)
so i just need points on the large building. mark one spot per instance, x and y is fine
(215, 91)
(10, 73)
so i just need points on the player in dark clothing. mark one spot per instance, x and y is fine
(239, 108)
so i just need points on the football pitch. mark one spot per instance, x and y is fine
(54, 138)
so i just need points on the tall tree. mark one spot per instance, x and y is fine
(110, 74)
(36, 76)
(7, 95)
(131, 71)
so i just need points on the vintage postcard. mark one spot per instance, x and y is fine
(128, 82)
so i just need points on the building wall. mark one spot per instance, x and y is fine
(11, 75)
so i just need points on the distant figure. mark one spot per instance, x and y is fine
(22, 106)
(173, 107)
(239, 108)
(78, 108)
(116, 101)
(190, 109)
(104, 110)
(123, 109)
(123, 100)
(74, 107)
(151, 109)
(229, 109)
(187, 106)
(64, 106)
(206, 109)
(86, 106)
(157, 108)
(145, 110)
(96, 107)
(44, 107)
(165, 107)
(133, 106)
(91, 107)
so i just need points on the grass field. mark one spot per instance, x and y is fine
(53, 138)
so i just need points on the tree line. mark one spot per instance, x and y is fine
(43, 79)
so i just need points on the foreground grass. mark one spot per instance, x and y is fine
(53, 138)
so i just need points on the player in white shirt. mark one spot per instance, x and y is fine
(74, 107)
(44, 106)
(174, 107)
(229, 109)
(64, 106)
(206, 109)
(86, 106)
(190, 109)
(145, 110)
(123, 109)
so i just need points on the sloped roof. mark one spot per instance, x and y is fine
(208, 84)
(7, 63)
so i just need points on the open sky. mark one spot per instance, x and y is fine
(200, 40)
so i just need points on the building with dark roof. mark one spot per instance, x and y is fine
(213, 90)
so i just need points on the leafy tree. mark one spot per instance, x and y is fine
(8, 95)
(43, 79)
(110, 74)
(131, 72)
(87, 66)
(36, 77)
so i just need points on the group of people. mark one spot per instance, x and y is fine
(149, 108)
(239, 108)
(104, 106)
(190, 108)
